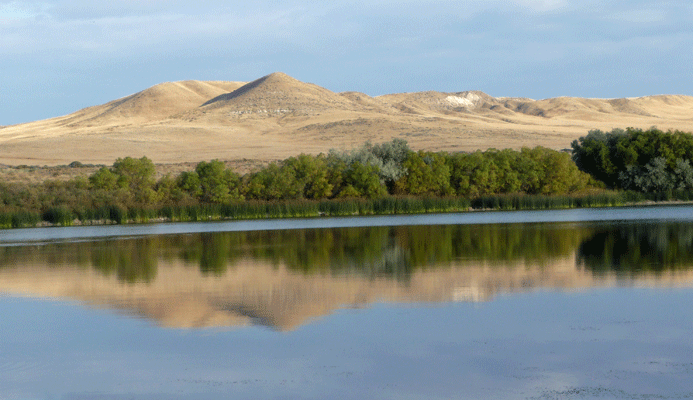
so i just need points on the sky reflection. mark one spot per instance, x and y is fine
(522, 346)
(504, 311)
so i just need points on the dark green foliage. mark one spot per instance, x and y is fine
(117, 214)
(60, 215)
(646, 161)
(25, 219)
(653, 177)
(19, 219)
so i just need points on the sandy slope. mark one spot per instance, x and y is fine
(277, 116)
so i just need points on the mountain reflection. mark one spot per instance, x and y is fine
(283, 278)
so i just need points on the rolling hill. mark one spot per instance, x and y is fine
(277, 116)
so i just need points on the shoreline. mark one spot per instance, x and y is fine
(650, 212)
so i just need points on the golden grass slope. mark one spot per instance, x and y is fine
(277, 116)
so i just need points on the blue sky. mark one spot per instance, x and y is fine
(59, 56)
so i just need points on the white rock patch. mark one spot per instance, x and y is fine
(468, 100)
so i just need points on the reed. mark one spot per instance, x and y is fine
(60, 216)
(19, 219)
(388, 205)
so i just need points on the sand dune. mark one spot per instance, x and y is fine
(277, 116)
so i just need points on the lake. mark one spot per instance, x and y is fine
(575, 304)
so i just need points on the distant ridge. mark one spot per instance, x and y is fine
(277, 116)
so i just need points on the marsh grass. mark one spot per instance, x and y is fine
(390, 205)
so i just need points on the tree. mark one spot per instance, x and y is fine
(311, 174)
(426, 173)
(273, 182)
(217, 183)
(104, 179)
(137, 176)
(388, 158)
(656, 177)
(362, 180)
(634, 159)
(684, 175)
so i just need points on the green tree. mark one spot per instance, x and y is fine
(104, 179)
(311, 174)
(634, 159)
(137, 176)
(217, 184)
(426, 173)
(362, 180)
(273, 182)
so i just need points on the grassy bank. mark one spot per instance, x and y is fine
(61, 216)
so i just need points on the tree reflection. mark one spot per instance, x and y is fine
(633, 249)
(394, 252)
(131, 261)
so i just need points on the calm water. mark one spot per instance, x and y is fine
(587, 304)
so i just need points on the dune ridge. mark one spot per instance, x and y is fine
(277, 116)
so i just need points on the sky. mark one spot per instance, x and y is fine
(57, 57)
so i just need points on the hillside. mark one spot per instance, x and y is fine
(156, 103)
(278, 93)
(277, 116)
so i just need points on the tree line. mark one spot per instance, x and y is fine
(370, 172)
(374, 178)
(649, 161)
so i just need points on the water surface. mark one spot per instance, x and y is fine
(593, 308)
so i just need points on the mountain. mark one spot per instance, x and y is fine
(277, 116)
(278, 93)
(155, 103)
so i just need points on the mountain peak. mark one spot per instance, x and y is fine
(278, 93)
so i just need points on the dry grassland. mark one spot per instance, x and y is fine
(276, 117)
